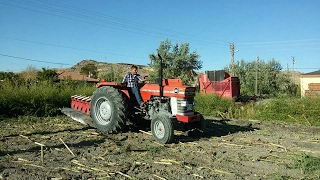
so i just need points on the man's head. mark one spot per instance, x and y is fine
(134, 69)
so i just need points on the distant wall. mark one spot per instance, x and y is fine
(305, 80)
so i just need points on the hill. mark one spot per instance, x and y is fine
(104, 67)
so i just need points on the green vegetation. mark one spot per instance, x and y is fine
(281, 109)
(306, 163)
(210, 104)
(39, 98)
(271, 80)
(89, 70)
(44, 98)
(114, 74)
(177, 61)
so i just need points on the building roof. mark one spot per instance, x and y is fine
(75, 77)
(313, 73)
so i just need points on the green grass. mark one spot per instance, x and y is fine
(44, 99)
(285, 109)
(40, 99)
(290, 110)
(210, 104)
(306, 163)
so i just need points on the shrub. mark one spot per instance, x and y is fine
(210, 104)
(43, 98)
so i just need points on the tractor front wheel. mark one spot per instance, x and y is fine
(162, 129)
(201, 125)
(108, 110)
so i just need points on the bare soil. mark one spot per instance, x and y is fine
(232, 149)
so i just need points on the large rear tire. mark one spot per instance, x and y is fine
(108, 110)
(162, 129)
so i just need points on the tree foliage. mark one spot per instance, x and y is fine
(47, 75)
(9, 76)
(89, 70)
(112, 76)
(271, 80)
(178, 62)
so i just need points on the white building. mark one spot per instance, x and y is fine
(310, 83)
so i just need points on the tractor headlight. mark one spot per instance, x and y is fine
(183, 103)
(194, 102)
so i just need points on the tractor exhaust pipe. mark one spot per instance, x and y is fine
(160, 76)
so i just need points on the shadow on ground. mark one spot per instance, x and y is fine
(214, 128)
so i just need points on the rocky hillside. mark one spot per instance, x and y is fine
(104, 68)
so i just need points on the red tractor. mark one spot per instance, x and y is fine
(166, 104)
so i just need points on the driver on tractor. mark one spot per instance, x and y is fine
(131, 79)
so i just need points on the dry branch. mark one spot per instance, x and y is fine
(26, 137)
(277, 145)
(20, 159)
(77, 163)
(170, 161)
(127, 176)
(145, 132)
(41, 151)
(159, 177)
(166, 163)
(67, 147)
(196, 175)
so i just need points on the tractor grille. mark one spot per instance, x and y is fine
(185, 106)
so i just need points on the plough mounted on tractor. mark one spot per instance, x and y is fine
(167, 104)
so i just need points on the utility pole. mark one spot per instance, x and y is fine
(232, 59)
(293, 79)
(257, 66)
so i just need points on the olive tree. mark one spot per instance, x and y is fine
(178, 62)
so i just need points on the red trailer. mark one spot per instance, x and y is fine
(220, 83)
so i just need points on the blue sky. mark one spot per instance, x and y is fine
(59, 34)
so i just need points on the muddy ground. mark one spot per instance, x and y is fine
(232, 149)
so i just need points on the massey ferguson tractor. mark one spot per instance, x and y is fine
(167, 104)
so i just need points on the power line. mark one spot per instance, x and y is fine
(279, 45)
(123, 27)
(119, 19)
(80, 49)
(272, 42)
(268, 50)
(35, 60)
(27, 59)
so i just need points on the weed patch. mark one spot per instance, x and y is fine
(306, 163)
(40, 99)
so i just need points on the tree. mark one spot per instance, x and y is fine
(8, 76)
(47, 75)
(178, 62)
(112, 74)
(89, 70)
(271, 80)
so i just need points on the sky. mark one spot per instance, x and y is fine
(61, 33)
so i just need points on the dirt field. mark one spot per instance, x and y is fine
(231, 150)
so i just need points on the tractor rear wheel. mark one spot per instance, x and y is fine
(162, 129)
(108, 110)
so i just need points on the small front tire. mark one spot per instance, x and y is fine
(162, 129)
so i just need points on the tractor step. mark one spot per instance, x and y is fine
(78, 116)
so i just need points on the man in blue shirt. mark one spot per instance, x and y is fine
(131, 79)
